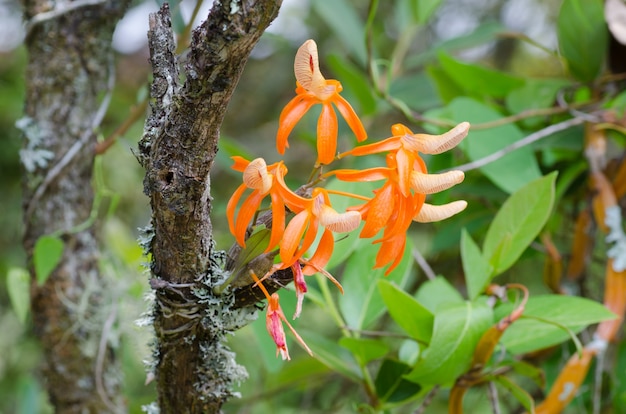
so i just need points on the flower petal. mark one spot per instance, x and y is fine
(278, 220)
(436, 144)
(404, 164)
(256, 176)
(300, 285)
(274, 324)
(230, 211)
(380, 209)
(352, 119)
(327, 135)
(322, 254)
(289, 117)
(390, 251)
(339, 222)
(306, 66)
(240, 163)
(292, 236)
(434, 183)
(429, 213)
(370, 174)
(246, 212)
(389, 144)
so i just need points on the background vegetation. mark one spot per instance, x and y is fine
(512, 69)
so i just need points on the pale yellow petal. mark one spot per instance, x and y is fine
(436, 144)
(430, 213)
(256, 176)
(306, 67)
(339, 223)
(434, 183)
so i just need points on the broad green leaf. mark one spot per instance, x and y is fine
(518, 392)
(390, 384)
(364, 350)
(417, 90)
(46, 256)
(409, 351)
(408, 313)
(333, 356)
(361, 304)
(436, 293)
(572, 312)
(534, 94)
(344, 21)
(457, 330)
(476, 268)
(518, 222)
(424, 9)
(583, 36)
(354, 83)
(484, 33)
(512, 171)
(477, 80)
(18, 287)
(446, 86)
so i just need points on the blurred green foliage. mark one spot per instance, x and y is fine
(387, 342)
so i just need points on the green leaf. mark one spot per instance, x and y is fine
(390, 384)
(344, 21)
(457, 330)
(18, 282)
(477, 269)
(513, 170)
(518, 392)
(46, 256)
(424, 9)
(534, 94)
(408, 313)
(518, 222)
(436, 293)
(361, 304)
(364, 350)
(572, 312)
(447, 88)
(477, 80)
(583, 37)
(333, 356)
(354, 83)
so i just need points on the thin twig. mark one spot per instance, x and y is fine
(423, 264)
(65, 8)
(492, 393)
(102, 350)
(427, 400)
(75, 149)
(135, 113)
(542, 133)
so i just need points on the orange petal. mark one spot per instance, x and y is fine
(380, 209)
(390, 251)
(289, 117)
(345, 109)
(429, 213)
(292, 236)
(230, 211)
(322, 254)
(278, 220)
(371, 174)
(404, 165)
(240, 163)
(308, 239)
(291, 199)
(246, 212)
(389, 144)
(327, 135)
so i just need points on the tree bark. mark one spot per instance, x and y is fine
(69, 67)
(194, 370)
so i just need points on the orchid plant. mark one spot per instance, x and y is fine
(298, 216)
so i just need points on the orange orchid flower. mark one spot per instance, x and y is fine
(312, 88)
(263, 180)
(310, 214)
(274, 322)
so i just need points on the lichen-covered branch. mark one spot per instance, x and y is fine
(69, 68)
(194, 370)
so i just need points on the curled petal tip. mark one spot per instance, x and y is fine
(436, 144)
(339, 223)
(255, 176)
(429, 213)
(434, 183)
(306, 66)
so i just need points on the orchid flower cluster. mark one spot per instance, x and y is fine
(298, 216)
